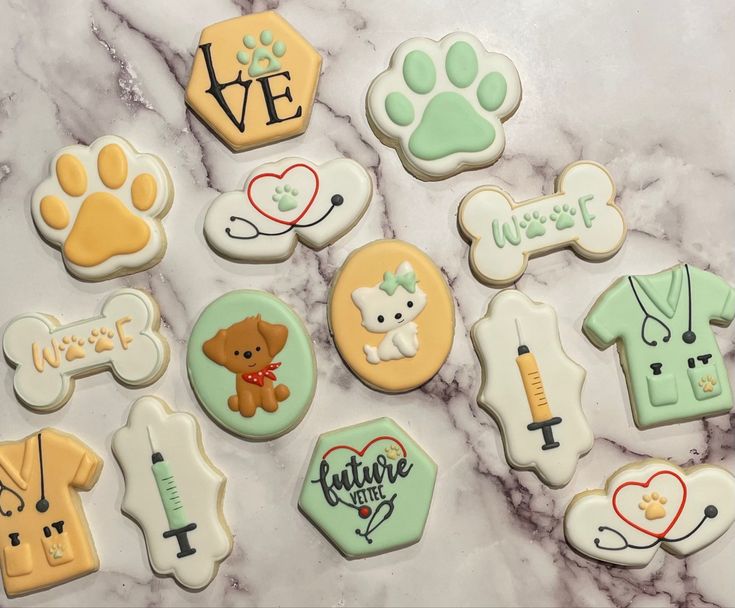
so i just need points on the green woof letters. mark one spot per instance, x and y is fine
(668, 352)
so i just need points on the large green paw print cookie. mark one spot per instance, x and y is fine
(442, 104)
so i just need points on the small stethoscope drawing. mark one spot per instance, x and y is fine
(688, 337)
(42, 504)
(378, 516)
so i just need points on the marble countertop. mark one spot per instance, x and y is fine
(647, 89)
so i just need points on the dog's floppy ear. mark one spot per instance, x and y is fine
(275, 336)
(214, 348)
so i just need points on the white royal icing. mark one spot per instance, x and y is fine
(648, 505)
(190, 483)
(48, 356)
(503, 394)
(286, 201)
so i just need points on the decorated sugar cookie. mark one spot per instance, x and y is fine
(368, 488)
(173, 492)
(391, 315)
(648, 505)
(580, 214)
(43, 531)
(283, 202)
(252, 365)
(442, 104)
(101, 205)
(531, 387)
(661, 324)
(49, 356)
(253, 80)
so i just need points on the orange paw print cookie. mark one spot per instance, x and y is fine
(253, 80)
(101, 205)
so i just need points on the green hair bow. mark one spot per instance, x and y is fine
(391, 281)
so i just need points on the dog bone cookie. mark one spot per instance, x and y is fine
(442, 104)
(368, 488)
(503, 234)
(283, 202)
(252, 365)
(391, 315)
(253, 80)
(44, 534)
(531, 387)
(651, 504)
(173, 491)
(101, 205)
(49, 356)
(661, 324)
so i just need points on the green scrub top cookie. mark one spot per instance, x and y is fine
(670, 357)
(251, 364)
(368, 488)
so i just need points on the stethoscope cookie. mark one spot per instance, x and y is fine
(531, 387)
(101, 205)
(661, 323)
(442, 104)
(368, 488)
(286, 201)
(253, 80)
(44, 536)
(251, 364)
(504, 235)
(391, 315)
(49, 356)
(648, 505)
(173, 492)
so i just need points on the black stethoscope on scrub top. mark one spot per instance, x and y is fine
(688, 337)
(42, 504)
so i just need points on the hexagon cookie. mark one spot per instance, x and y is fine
(253, 80)
(368, 488)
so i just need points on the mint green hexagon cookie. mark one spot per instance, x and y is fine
(368, 488)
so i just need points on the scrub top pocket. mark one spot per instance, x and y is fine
(58, 549)
(662, 389)
(18, 560)
(705, 382)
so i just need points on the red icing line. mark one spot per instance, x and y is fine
(365, 449)
(645, 485)
(276, 219)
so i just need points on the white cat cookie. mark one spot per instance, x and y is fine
(102, 205)
(531, 387)
(173, 492)
(504, 235)
(651, 504)
(49, 356)
(442, 104)
(391, 315)
(288, 201)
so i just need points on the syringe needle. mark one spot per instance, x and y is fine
(518, 331)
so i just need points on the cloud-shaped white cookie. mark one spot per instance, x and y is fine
(649, 505)
(292, 199)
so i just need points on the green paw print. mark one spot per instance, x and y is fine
(264, 59)
(533, 224)
(286, 197)
(563, 216)
(450, 123)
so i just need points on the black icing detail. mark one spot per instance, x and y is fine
(270, 99)
(690, 362)
(14, 539)
(337, 200)
(704, 358)
(215, 89)
(656, 367)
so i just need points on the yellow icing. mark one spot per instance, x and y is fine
(71, 175)
(54, 212)
(112, 166)
(143, 191)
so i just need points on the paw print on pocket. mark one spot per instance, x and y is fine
(533, 224)
(707, 383)
(261, 59)
(56, 551)
(563, 216)
(102, 339)
(285, 196)
(101, 206)
(653, 506)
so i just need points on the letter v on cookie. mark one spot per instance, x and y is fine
(504, 234)
(49, 356)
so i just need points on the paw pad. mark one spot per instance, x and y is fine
(707, 383)
(263, 59)
(74, 347)
(563, 215)
(102, 339)
(285, 196)
(533, 224)
(98, 203)
(652, 505)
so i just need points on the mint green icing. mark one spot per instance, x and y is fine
(671, 381)
(285, 196)
(399, 109)
(266, 37)
(264, 59)
(418, 72)
(341, 522)
(563, 215)
(533, 224)
(450, 124)
(213, 384)
(492, 91)
(512, 235)
(587, 217)
(461, 64)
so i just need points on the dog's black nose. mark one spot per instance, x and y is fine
(247, 354)
(398, 315)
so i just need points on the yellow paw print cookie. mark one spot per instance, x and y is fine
(101, 205)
